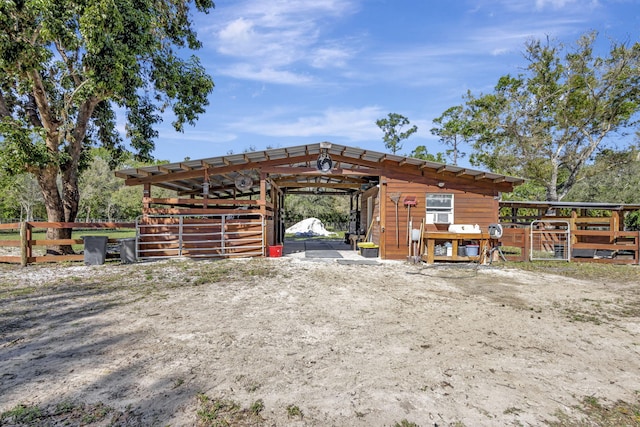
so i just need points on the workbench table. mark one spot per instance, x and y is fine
(429, 240)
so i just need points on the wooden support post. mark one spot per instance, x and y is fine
(263, 193)
(383, 218)
(146, 196)
(26, 249)
(615, 221)
(263, 210)
(205, 184)
(527, 243)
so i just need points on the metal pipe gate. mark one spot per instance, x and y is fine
(550, 240)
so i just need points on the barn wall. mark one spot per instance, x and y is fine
(469, 208)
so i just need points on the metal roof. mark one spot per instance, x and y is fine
(294, 168)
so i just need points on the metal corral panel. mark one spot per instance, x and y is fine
(201, 236)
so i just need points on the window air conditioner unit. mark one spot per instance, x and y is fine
(442, 218)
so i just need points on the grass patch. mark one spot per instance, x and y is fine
(405, 423)
(223, 270)
(582, 270)
(599, 412)
(339, 235)
(22, 415)
(293, 411)
(222, 413)
(63, 413)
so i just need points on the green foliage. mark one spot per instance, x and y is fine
(549, 122)
(420, 152)
(613, 177)
(66, 65)
(20, 197)
(328, 209)
(392, 128)
(453, 129)
(527, 191)
(22, 414)
(632, 221)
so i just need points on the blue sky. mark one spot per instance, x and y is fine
(291, 72)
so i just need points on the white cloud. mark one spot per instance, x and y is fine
(350, 124)
(525, 6)
(328, 57)
(280, 36)
(266, 74)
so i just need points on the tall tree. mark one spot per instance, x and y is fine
(392, 128)
(67, 64)
(20, 197)
(97, 186)
(452, 129)
(613, 177)
(421, 152)
(547, 123)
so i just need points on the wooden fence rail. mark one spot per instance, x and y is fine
(27, 243)
(602, 246)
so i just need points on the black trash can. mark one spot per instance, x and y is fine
(128, 250)
(558, 250)
(95, 249)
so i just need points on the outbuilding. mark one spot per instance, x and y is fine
(234, 205)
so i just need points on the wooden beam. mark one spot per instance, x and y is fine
(199, 211)
(333, 192)
(462, 172)
(311, 171)
(197, 173)
(439, 170)
(480, 176)
(197, 202)
(293, 184)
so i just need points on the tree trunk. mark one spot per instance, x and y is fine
(47, 178)
(71, 196)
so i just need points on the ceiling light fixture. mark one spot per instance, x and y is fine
(324, 163)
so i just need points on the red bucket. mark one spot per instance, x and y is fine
(275, 251)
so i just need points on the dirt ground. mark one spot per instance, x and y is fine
(319, 342)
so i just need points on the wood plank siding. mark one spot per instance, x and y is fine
(469, 208)
(258, 182)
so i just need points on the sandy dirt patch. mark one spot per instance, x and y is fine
(348, 345)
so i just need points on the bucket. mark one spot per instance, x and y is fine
(95, 249)
(462, 251)
(128, 250)
(558, 250)
(369, 252)
(275, 251)
(473, 250)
